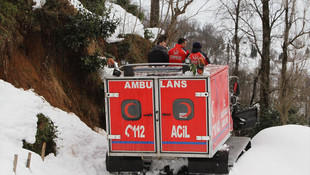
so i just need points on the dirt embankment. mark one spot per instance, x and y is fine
(34, 61)
(37, 59)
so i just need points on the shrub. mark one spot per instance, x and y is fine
(148, 34)
(84, 27)
(46, 132)
(92, 63)
(131, 8)
(295, 118)
(8, 11)
(95, 6)
(268, 118)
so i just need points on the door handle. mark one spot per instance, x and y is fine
(148, 115)
(164, 114)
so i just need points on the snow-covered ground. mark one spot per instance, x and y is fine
(283, 150)
(279, 150)
(80, 150)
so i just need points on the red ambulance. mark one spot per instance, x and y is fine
(164, 112)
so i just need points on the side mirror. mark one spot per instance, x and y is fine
(116, 72)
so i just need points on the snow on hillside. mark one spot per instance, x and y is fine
(128, 23)
(81, 151)
(38, 3)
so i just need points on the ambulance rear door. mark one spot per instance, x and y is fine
(131, 124)
(183, 115)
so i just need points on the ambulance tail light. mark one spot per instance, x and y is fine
(236, 89)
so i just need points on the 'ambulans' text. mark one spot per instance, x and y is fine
(138, 84)
(173, 84)
(149, 84)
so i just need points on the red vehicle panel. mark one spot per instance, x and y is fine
(183, 115)
(132, 115)
(220, 106)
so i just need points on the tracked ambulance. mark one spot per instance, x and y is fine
(169, 111)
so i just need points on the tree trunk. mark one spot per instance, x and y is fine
(237, 39)
(154, 19)
(283, 85)
(285, 102)
(265, 61)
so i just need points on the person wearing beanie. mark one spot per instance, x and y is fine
(178, 53)
(197, 53)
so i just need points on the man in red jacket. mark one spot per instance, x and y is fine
(178, 53)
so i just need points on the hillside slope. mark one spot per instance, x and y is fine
(33, 56)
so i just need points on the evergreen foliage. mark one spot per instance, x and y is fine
(131, 8)
(295, 118)
(15, 14)
(253, 52)
(8, 11)
(84, 27)
(92, 63)
(148, 34)
(95, 6)
(268, 118)
(46, 132)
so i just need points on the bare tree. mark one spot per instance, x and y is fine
(290, 19)
(295, 90)
(268, 22)
(233, 9)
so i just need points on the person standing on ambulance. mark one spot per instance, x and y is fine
(197, 54)
(159, 53)
(178, 53)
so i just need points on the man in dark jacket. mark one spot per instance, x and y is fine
(196, 54)
(159, 53)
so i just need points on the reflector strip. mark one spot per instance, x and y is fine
(133, 142)
(220, 133)
(185, 143)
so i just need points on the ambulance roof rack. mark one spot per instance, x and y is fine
(159, 69)
(154, 64)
